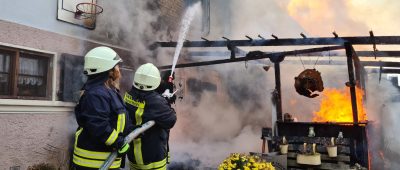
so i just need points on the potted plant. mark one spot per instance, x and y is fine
(284, 146)
(332, 148)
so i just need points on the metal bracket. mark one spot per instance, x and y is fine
(302, 35)
(274, 36)
(277, 58)
(230, 47)
(335, 34)
(250, 39)
(204, 39)
(371, 34)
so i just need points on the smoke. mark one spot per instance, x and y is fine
(287, 18)
(321, 18)
(134, 25)
(377, 15)
(228, 116)
(382, 103)
(224, 116)
(237, 18)
(346, 17)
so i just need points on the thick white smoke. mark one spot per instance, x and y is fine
(382, 104)
(134, 25)
(214, 123)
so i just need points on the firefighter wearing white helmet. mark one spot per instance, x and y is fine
(100, 113)
(100, 59)
(147, 77)
(143, 103)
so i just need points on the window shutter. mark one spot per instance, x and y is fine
(72, 77)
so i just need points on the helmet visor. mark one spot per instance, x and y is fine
(117, 57)
(142, 87)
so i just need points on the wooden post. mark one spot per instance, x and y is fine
(352, 83)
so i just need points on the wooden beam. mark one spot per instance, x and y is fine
(395, 54)
(390, 71)
(352, 83)
(378, 63)
(362, 40)
(378, 53)
(257, 57)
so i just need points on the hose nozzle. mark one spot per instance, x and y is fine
(170, 78)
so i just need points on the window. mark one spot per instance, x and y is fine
(5, 72)
(24, 74)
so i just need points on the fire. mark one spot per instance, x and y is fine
(336, 106)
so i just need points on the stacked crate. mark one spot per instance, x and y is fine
(342, 161)
(352, 144)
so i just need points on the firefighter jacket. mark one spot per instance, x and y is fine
(149, 150)
(102, 120)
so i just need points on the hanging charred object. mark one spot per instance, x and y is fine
(308, 82)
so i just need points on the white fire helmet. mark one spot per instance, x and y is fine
(100, 59)
(147, 77)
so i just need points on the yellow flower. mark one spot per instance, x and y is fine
(252, 160)
(237, 161)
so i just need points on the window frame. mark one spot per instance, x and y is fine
(14, 71)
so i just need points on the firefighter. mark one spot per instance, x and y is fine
(149, 151)
(100, 113)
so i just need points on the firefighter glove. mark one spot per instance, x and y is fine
(121, 146)
(122, 151)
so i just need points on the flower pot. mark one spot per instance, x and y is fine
(309, 159)
(284, 148)
(332, 151)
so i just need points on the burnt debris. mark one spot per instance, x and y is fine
(308, 82)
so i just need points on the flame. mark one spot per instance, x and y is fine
(336, 106)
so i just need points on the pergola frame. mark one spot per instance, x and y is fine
(355, 67)
(330, 43)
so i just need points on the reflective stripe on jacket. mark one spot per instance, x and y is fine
(149, 151)
(102, 117)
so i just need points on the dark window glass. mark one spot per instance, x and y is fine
(5, 73)
(32, 75)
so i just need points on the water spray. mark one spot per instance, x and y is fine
(187, 19)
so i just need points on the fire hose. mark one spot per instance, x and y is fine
(127, 139)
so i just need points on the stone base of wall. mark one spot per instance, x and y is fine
(30, 139)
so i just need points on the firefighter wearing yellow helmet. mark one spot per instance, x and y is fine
(100, 113)
(149, 151)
